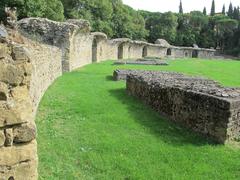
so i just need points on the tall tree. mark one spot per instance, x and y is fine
(236, 13)
(180, 7)
(225, 28)
(230, 10)
(224, 10)
(213, 8)
(205, 11)
(54, 10)
(162, 26)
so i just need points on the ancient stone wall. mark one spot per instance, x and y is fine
(80, 51)
(108, 50)
(197, 103)
(189, 52)
(26, 71)
(18, 148)
(206, 54)
(177, 52)
(72, 37)
(156, 51)
(28, 68)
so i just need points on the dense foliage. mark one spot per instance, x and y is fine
(218, 30)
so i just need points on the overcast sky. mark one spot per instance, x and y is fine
(172, 5)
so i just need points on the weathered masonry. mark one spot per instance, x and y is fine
(196, 103)
(30, 60)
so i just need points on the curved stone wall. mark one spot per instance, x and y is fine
(48, 49)
(18, 149)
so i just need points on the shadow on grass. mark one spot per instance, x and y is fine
(164, 129)
(109, 78)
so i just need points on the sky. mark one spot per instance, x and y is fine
(173, 5)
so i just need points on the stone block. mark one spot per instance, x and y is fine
(3, 50)
(2, 138)
(24, 133)
(13, 117)
(3, 91)
(20, 53)
(11, 74)
(19, 162)
(3, 32)
(9, 137)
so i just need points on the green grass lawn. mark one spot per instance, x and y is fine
(89, 128)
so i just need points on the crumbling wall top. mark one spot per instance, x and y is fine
(162, 42)
(51, 32)
(140, 42)
(122, 40)
(81, 23)
(99, 35)
(189, 83)
(192, 48)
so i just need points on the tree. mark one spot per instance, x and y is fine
(205, 11)
(224, 30)
(224, 10)
(230, 10)
(180, 7)
(162, 26)
(236, 13)
(52, 9)
(190, 28)
(213, 8)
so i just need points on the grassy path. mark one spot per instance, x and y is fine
(88, 128)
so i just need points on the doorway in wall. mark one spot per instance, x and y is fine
(169, 52)
(120, 51)
(195, 54)
(144, 52)
(94, 51)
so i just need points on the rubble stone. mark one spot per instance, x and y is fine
(9, 137)
(2, 138)
(198, 103)
(24, 133)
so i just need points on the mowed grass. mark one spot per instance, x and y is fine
(89, 128)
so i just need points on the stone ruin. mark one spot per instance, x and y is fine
(36, 53)
(143, 61)
(197, 103)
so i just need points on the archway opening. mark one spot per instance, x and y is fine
(94, 50)
(144, 52)
(169, 52)
(195, 54)
(120, 51)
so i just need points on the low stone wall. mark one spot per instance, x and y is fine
(142, 62)
(156, 51)
(196, 103)
(190, 52)
(121, 74)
